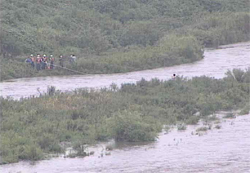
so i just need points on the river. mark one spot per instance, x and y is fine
(219, 150)
(215, 64)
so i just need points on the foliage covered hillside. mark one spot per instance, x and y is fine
(110, 29)
(95, 26)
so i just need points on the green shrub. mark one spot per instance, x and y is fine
(130, 126)
(31, 153)
(193, 120)
(245, 110)
(202, 129)
(229, 115)
(181, 127)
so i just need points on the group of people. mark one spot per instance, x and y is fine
(44, 62)
(41, 63)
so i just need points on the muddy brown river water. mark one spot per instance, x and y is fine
(215, 64)
(220, 150)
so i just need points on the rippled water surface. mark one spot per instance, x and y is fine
(220, 150)
(215, 64)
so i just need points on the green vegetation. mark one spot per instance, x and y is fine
(230, 115)
(171, 51)
(181, 127)
(32, 127)
(211, 118)
(111, 36)
(245, 110)
(202, 129)
(192, 120)
(215, 30)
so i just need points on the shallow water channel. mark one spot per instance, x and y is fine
(219, 150)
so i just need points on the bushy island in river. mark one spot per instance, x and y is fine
(112, 36)
(33, 127)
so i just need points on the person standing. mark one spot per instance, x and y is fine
(44, 62)
(38, 62)
(28, 60)
(61, 60)
(33, 61)
(72, 59)
(52, 60)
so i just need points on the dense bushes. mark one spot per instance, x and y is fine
(15, 69)
(131, 126)
(171, 50)
(15, 147)
(117, 36)
(88, 26)
(135, 112)
(215, 30)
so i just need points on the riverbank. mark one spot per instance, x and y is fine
(180, 46)
(216, 63)
(173, 50)
(220, 150)
(136, 112)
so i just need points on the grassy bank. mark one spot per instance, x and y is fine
(32, 127)
(183, 45)
(172, 50)
(116, 36)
